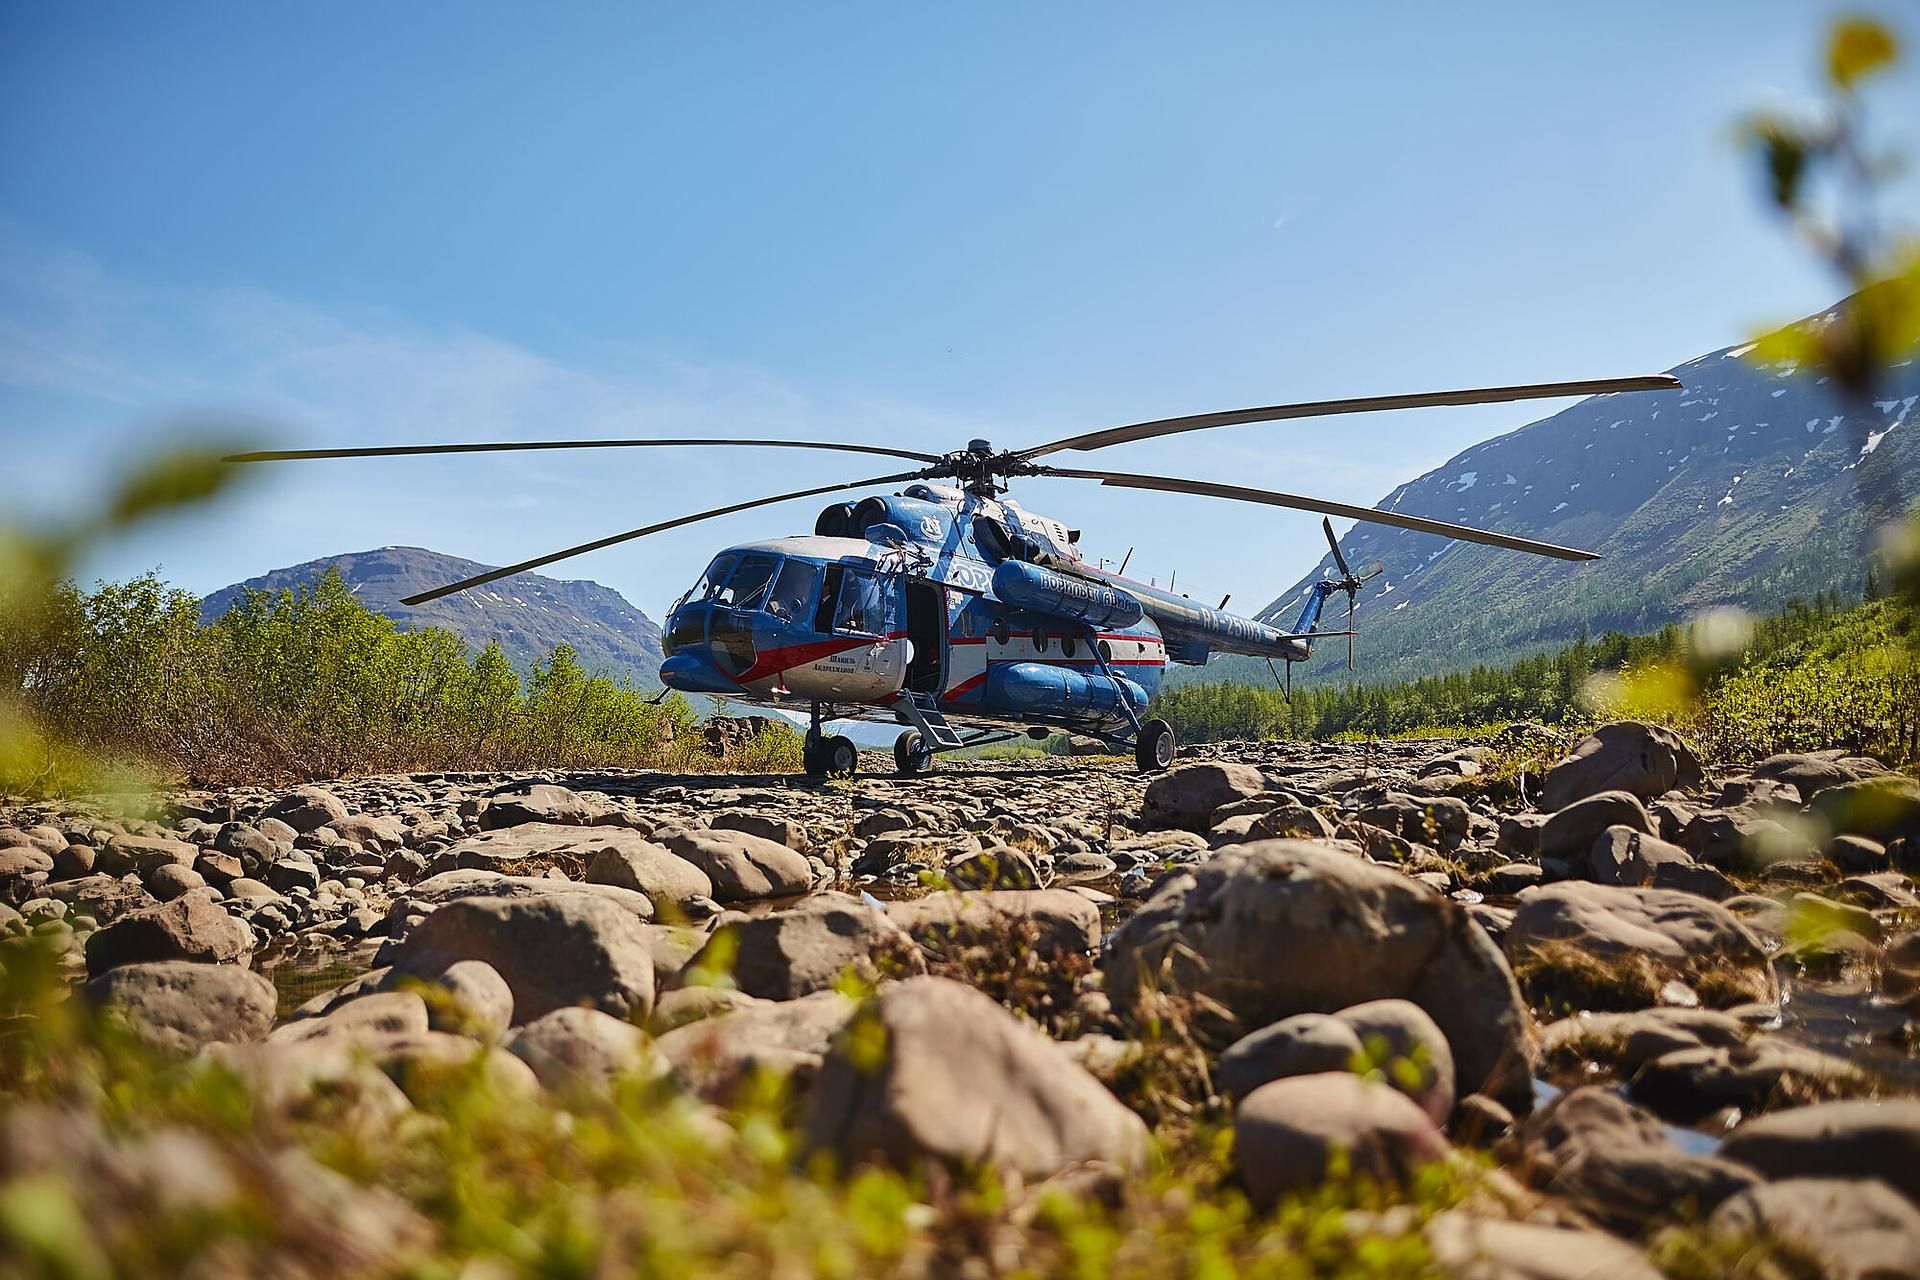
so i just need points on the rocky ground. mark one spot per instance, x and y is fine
(1648, 997)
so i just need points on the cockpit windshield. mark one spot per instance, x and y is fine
(747, 588)
(715, 577)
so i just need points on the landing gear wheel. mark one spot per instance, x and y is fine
(842, 757)
(910, 755)
(1153, 749)
(813, 756)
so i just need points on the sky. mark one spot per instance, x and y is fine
(352, 223)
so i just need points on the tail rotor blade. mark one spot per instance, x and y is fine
(1349, 630)
(1334, 544)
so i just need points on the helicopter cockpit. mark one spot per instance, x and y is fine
(753, 600)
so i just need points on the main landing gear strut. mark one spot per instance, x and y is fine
(823, 755)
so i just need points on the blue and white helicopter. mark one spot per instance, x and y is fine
(947, 603)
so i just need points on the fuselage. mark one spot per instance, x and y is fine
(957, 598)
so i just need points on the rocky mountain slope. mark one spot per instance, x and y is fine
(528, 614)
(1750, 486)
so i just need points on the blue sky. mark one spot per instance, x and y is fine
(376, 223)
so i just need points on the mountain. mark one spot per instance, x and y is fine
(1752, 485)
(528, 614)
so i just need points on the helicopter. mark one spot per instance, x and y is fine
(963, 617)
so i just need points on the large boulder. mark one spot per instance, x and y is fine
(809, 947)
(450, 886)
(553, 951)
(1280, 927)
(1835, 1140)
(1187, 796)
(539, 802)
(1644, 759)
(191, 927)
(1287, 1133)
(934, 1070)
(1629, 856)
(1410, 1052)
(1058, 919)
(743, 866)
(633, 862)
(176, 1006)
(1658, 934)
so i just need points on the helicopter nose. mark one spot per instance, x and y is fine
(693, 671)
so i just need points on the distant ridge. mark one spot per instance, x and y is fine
(528, 614)
(1750, 486)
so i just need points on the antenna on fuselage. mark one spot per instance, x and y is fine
(1223, 600)
(1122, 570)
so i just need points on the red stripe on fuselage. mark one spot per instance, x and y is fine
(798, 655)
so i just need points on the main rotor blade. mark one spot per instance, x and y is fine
(494, 575)
(1365, 404)
(1418, 524)
(511, 446)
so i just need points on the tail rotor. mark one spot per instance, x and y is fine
(1349, 581)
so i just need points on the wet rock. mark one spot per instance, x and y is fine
(1865, 1139)
(1615, 1163)
(177, 1006)
(307, 809)
(1187, 796)
(1851, 1229)
(191, 927)
(811, 946)
(1570, 833)
(553, 951)
(1286, 1133)
(957, 1079)
(583, 1048)
(1282, 927)
(1627, 1041)
(1643, 759)
(1688, 1085)
(742, 866)
(1655, 935)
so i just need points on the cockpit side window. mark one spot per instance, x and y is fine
(715, 577)
(793, 590)
(861, 606)
(748, 585)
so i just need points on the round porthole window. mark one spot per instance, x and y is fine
(1066, 646)
(1039, 642)
(1000, 631)
(1106, 652)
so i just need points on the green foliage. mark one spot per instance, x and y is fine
(308, 683)
(1812, 676)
